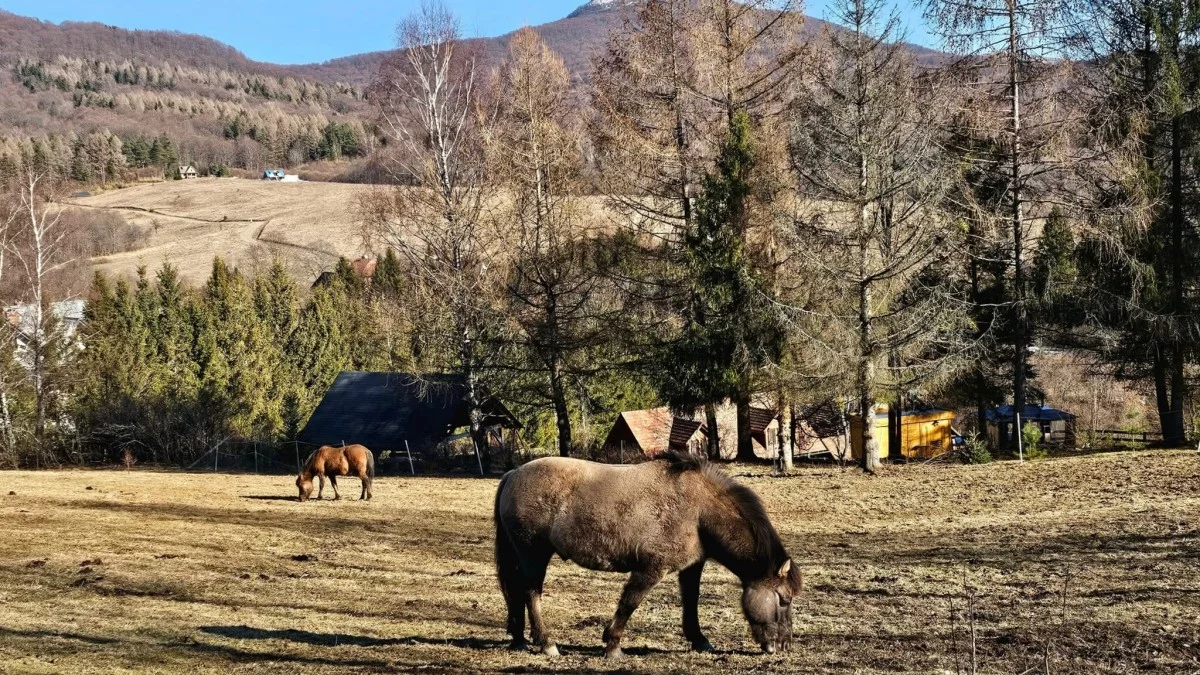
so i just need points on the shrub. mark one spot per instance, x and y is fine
(1031, 441)
(976, 452)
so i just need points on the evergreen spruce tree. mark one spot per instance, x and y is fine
(388, 279)
(730, 332)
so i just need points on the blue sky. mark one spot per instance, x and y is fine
(306, 31)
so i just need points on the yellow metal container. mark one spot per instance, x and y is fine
(923, 433)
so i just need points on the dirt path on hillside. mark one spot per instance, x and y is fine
(251, 232)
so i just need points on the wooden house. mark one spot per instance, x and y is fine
(188, 171)
(1057, 426)
(820, 429)
(654, 432)
(923, 433)
(364, 267)
(397, 411)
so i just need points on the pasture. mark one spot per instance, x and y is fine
(248, 222)
(1085, 564)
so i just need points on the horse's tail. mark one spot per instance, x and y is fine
(370, 465)
(508, 565)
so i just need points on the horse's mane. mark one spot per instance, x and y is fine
(308, 462)
(768, 546)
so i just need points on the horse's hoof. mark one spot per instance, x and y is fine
(703, 646)
(550, 650)
(614, 653)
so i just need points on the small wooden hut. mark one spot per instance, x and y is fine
(923, 433)
(654, 432)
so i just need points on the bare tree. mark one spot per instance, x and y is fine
(438, 220)
(871, 181)
(37, 247)
(1010, 52)
(554, 287)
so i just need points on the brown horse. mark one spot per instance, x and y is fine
(650, 520)
(328, 460)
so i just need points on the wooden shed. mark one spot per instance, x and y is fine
(1057, 426)
(923, 433)
(655, 431)
(397, 411)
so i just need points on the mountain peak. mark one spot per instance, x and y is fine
(596, 6)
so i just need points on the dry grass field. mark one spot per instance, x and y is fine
(249, 222)
(1088, 564)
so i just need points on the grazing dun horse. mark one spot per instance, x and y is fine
(328, 460)
(649, 520)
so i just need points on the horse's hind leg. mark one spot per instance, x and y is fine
(333, 482)
(689, 590)
(636, 588)
(515, 598)
(534, 566)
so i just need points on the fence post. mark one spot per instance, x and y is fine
(255, 456)
(478, 458)
(1019, 432)
(408, 452)
(216, 456)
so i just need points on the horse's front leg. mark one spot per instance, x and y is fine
(321, 482)
(689, 590)
(333, 482)
(636, 588)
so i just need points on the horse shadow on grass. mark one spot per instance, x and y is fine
(338, 639)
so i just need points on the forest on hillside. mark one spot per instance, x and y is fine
(790, 219)
(72, 86)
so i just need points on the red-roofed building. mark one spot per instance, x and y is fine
(654, 432)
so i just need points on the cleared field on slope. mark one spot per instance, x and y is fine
(248, 222)
(1094, 559)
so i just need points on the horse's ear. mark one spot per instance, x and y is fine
(785, 568)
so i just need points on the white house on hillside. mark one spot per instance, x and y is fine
(68, 315)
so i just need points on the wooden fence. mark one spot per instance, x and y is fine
(1118, 436)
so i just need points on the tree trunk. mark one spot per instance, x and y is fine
(470, 380)
(7, 437)
(869, 461)
(896, 418)
(714, 435)
(745, 442)
(784, 433)
(1174, 433)
(561, 414)
(895, 431)
(1021, 340)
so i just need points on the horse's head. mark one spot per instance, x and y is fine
(305, 485)
(767, 604)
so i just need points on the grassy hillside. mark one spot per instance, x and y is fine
(248, 222)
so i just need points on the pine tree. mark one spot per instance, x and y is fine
(388, 280)
(731, 331)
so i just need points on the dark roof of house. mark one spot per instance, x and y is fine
(383, 410)
(1041, 413)
(825, 419)
(682, 431)
(760, 419)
